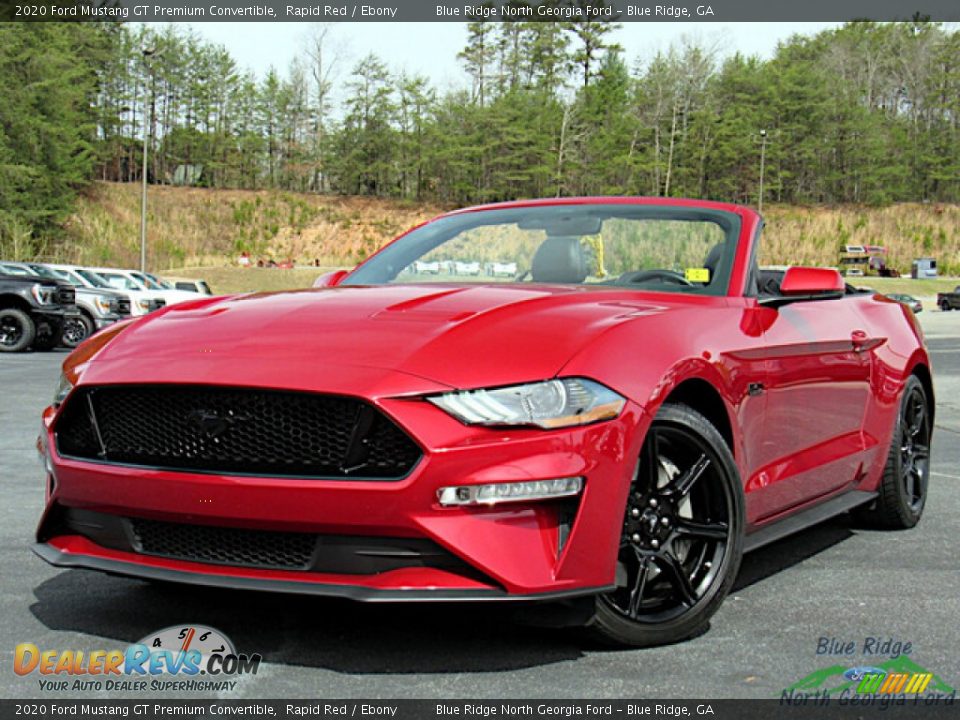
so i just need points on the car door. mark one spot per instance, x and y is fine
(816, 389)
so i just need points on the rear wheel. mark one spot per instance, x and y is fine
(681, 538)
(76, 330)
(903, 488)
(16, 330)
(944, 305)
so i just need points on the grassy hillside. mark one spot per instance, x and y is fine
(814, 236)
(198, 227)
(192, 227)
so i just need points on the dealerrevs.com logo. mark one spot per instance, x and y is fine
(178, 658)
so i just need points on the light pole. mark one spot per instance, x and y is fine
(147, 122)
(763, 152)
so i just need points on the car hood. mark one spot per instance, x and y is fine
(32, 280)
(457, 336)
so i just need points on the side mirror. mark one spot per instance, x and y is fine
(807, 283)
(330, 279)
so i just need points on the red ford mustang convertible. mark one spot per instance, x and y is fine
(597, 402)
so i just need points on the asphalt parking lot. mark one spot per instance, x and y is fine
(836, 581)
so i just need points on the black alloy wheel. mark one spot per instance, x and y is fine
(76, 330)
(16, 330)
(902, 493)
(681, 538)
(915, 448)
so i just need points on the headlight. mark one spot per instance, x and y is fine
(143, 303)
(64, 387)
(44, 294)
(103, 304)
(549, 404)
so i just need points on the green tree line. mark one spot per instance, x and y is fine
(865, 113)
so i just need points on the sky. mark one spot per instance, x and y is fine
(431, 48)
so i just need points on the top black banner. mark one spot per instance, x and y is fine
(617, 11)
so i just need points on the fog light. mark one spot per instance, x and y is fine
(495, 493)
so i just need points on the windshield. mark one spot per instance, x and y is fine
(67, 275)
(46, 272)
(146, 281)
(16, 270)
(648, 247)
(118, 281)
(160, 282)
(92, 278)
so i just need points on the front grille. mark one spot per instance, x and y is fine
(157, 303)
(232, 430)
(66, 295)
(123, 306)
(224, 546)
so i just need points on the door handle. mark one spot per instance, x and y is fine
(859, 340)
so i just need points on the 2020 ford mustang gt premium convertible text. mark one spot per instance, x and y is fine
(610, 428)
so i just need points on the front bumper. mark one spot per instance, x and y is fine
(103, 321)
(56, 315)
(537, 550)
(68, 555)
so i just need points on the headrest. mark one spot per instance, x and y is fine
(559, 260)
(713, 258)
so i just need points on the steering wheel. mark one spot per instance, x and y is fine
(668, 276)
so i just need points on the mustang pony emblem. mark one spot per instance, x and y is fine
(211, 423)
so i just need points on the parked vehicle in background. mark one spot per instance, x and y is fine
(97, 308)
(426, 267)
(151, 280)
(466, 268)
(141, 302)
(924, 269)
(501, 269)
(197, 286)
(909, 300)
(32, 312)
(862, 260)
(121, 280)
(950, 300)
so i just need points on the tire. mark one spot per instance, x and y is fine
(682, 537)
(76, 330)
(906, 475)
(17, 330)
(48, 336)
(944, 306)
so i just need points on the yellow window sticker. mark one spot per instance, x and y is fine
(697, 275)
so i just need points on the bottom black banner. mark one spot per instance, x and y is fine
(791, 706)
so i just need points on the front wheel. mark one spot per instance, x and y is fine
(16, 330)
(76, 330)
(681, 537)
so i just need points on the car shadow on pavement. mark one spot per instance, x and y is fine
(337, 635)
(792, 550)
(355, 638)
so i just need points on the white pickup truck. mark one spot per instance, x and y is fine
(134, 279)
(141, 302)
